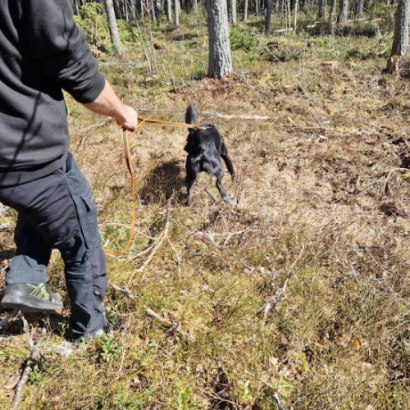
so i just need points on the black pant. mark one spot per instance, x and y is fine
(58, 211)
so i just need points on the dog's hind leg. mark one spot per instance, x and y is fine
(222, 191)
(227, 160)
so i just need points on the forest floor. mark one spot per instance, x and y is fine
(324, 200)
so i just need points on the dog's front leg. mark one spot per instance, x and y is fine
(192, 170)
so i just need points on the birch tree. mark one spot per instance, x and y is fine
(220, 62)
(177, 8)
(245, 11)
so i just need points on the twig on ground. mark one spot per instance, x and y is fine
(236, 116)
(10, 316)
(91, 127)
(160, 241)
(275, 395)
(35, 353)
(273, 301)
(208, 238)
(211, 196)
(388, 176)
(172, 326)
(125, 291)
(176, 253)
(306, 129)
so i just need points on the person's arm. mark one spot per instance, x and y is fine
(52, 37)
(108, 104)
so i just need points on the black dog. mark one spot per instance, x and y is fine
(205, 148)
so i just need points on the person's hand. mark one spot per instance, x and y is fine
(128, 118)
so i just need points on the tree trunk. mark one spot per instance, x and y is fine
(152, 7)
(359, 8)
(344, 9)
(169, 11)
(245, 11)
(232, 11)
(257, 9)
(112, 25)
(133, 10)
(401, 30)
(322, 10)
(177, 8)
(334, 5)
(220, 62)
(76, 7)
(295, 22)
(267, 16)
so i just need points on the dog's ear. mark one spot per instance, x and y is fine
(191, 115)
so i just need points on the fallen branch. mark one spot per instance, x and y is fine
(388, 176)
(236, 116)
(35, 353)
(275, 395)
(208, 238)
(306, 129)
(160, 241)
(125, 291)
(10, 316)
(171, 326)
(91, 127)
(273, 301)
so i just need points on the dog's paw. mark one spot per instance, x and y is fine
(231, 200)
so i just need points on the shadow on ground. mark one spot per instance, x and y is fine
(162, 181)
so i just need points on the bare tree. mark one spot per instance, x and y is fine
(220, 62)
(401, 30)
(268, 16)
(177, 8)
(245, 11)
(232, 11)
(358, 10)
(169, 11)
(296, 15)
(322, 10)
(113, 28)
(344, 9)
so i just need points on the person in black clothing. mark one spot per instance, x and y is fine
(42, 53)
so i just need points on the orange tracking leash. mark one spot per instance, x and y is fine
(128, 163)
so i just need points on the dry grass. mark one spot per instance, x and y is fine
(322, 174)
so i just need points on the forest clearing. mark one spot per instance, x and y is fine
(298, 296)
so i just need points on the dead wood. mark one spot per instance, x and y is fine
(171, 326)
(384, 191)
(10, 316)
(275, 395)
(35, 353)
(236, 116)
(125, 291)
(273, 301)
(160, 241)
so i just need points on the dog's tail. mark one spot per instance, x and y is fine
(191, 115)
